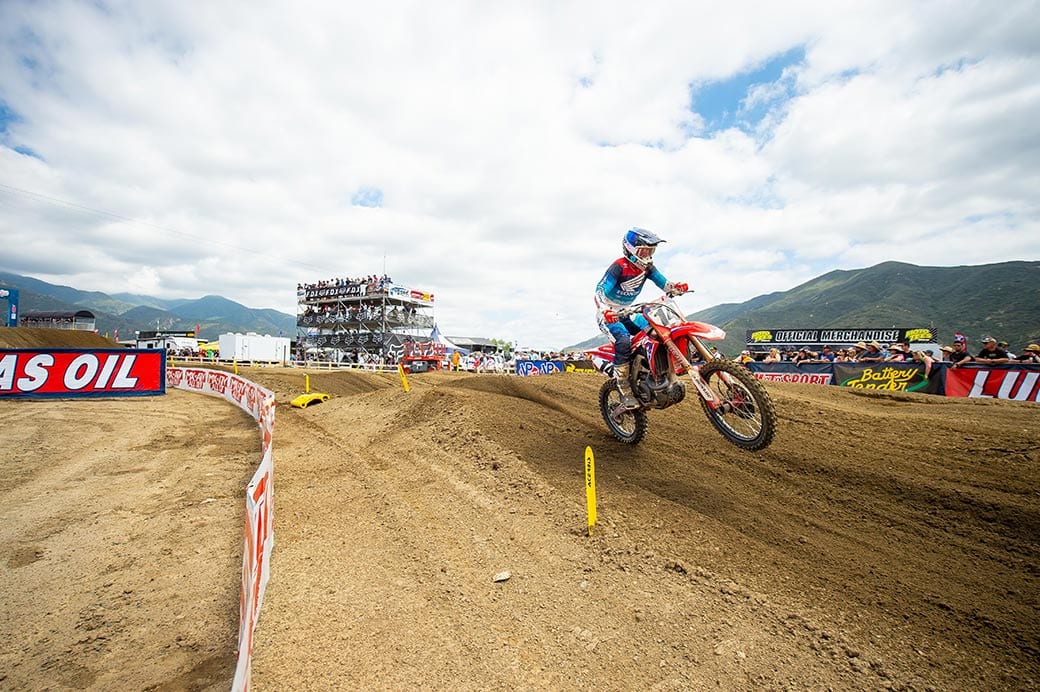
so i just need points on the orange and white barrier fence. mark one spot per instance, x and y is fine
(259, 539)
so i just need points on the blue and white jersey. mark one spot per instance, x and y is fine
(622, 282)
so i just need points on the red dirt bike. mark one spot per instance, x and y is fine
(736, 403)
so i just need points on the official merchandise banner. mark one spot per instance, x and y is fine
(1015, 382)
(823, 337)
(898, 377)
(807, 373)
(74, 373)
(526, 368)
(259, 536)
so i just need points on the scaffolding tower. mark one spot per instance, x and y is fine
(343, 320)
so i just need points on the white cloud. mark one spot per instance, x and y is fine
(213, 149)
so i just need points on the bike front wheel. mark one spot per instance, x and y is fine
(743, 411)
(628, 426)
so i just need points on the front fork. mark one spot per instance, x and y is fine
(695, 375)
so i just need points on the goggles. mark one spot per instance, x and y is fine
(645, 251)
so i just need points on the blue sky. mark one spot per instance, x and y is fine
(495, 154)
(724, 103)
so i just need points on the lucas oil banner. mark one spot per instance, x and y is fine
(68, 373)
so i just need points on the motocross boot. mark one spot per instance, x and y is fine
(628, 399)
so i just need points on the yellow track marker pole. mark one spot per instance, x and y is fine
(590, 487)
(404, 380)
(235, 362)
(306, 384)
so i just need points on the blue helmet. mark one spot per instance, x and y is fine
(639, 246)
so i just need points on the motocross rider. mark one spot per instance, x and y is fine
(619, 287)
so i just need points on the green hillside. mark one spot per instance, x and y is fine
(1002, 300)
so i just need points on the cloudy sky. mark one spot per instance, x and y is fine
(494, 153)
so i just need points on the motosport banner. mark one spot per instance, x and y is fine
(259, 537)
(1016, 382)
(806, 373)
(526, 368)
(68, 372)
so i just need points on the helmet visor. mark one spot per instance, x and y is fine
(645, 251)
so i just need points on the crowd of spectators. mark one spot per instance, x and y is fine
(993, 352)
(372, 282)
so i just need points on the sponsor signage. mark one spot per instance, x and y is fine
(900, 377)
(1015, 382)
(428, 350)
(526, 368)
(82, 373)
(807, 373)
(334, 292)
(835, 337)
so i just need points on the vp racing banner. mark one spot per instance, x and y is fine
(526, 368)
(74, 373)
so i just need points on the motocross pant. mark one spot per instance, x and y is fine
(621, 333)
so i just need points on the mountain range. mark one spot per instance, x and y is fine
(1000, 300)
(127, 312)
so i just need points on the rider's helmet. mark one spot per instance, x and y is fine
(639, 246)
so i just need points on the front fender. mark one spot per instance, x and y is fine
(701, 330)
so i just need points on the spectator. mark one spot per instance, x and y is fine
(991, 354)
(805, 356)
(959, 356)
(827, 355)
(1004, 345)
(873, 354)
(745, 357)
(945, 351)
(896, 354)
(925, 359)
(856, 351)
(773, 357)
(1030, 354)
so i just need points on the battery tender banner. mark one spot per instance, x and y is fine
(69, 373)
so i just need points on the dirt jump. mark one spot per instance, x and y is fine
(881, 541)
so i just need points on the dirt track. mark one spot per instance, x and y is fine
(880, 541)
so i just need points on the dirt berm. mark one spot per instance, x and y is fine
(884, 540)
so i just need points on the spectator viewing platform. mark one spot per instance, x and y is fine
(354, 318)
(81, 320)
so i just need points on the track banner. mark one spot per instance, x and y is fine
(1015, 382)
(526, 368)
(806, 373)
(259, 536)
(896, 377)
(76, 372)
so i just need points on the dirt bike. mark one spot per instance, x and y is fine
(736, 403)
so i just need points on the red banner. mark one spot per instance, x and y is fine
(81, 373)
(1019, 384)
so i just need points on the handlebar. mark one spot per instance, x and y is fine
(636, 308)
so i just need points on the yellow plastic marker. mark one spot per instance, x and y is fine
(236, 366)
(590, 487)
(404, 380)
(306, 384)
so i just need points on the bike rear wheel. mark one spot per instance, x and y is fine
(628, 426)
(745, 414)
